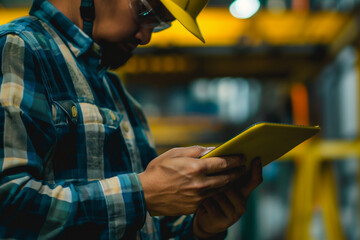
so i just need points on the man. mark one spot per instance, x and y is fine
(77, 158)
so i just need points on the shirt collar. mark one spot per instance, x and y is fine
(78, 41)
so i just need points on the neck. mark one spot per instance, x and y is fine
(71, 9)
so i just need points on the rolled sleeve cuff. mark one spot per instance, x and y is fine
(125, 204)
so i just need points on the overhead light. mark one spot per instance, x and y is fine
(244, 8)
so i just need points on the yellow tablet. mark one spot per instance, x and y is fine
(269, 141)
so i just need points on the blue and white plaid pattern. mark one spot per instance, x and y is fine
(71, 139)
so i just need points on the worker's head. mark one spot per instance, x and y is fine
(121, 25)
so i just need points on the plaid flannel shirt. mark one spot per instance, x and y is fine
(72, 140)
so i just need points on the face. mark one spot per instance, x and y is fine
(121, 25)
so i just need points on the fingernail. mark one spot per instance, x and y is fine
(207, 150)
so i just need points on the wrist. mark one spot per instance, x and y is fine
(144, 187)
(148, 196)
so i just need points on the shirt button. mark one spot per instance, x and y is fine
(126, 127)
(74, 111)
(112, 115)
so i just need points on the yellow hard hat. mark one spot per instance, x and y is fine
(186, 11)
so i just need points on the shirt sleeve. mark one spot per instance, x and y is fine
(30, 207)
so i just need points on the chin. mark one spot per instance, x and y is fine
(114, 56)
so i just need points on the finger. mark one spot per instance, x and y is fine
(225, 205)
(212, 207)
(221, 164)
(224, 180)
(208, 149)
(255, 178)
(237, 200)
(193, 151)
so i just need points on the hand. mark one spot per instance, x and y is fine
(219, 212)
(176, 182)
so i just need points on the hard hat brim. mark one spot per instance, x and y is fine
(184, 18)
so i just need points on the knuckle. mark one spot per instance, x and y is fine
(241, 210)
(227, 179)
(197, 150)
(225, 163)
(198, 167)
(197, 186)
(234, 216)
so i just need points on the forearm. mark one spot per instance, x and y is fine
(108, 209)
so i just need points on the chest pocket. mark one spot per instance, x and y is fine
(84, 132)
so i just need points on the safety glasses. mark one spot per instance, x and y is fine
(146, 16)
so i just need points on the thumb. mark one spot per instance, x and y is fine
(191, 152)
(206, 151)
(198, 151)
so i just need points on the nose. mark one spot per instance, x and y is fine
(144, 35)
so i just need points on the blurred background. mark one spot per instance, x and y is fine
(288, 61)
